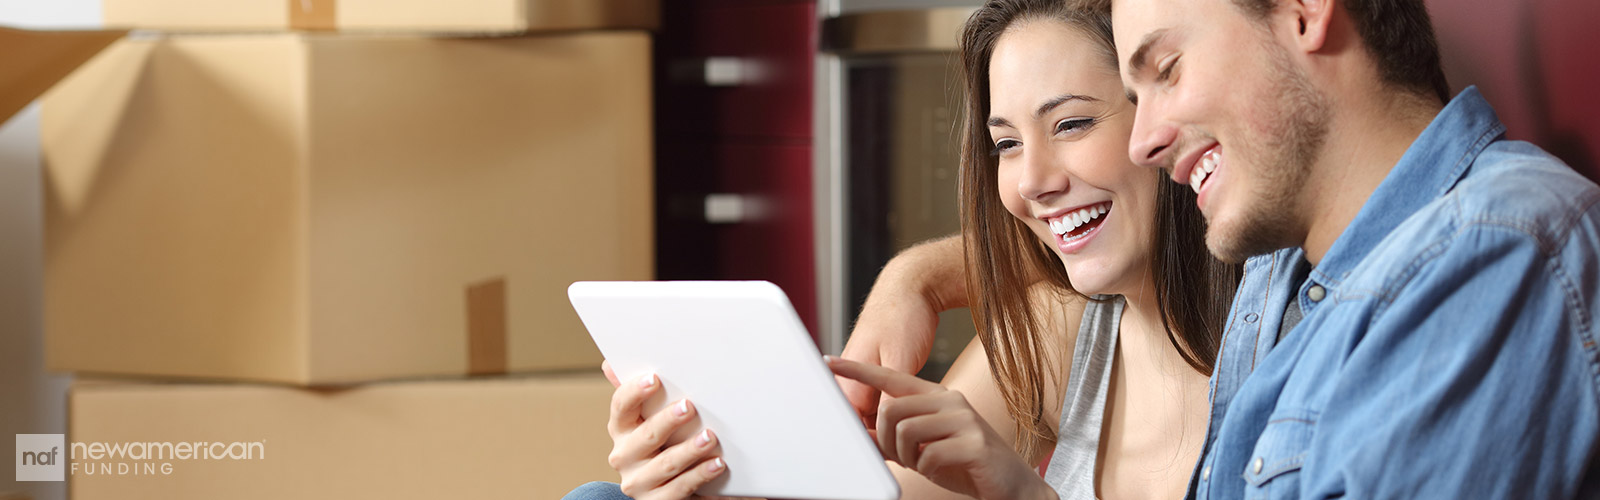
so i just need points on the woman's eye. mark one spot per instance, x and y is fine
(1004, 146)
(1074, 125)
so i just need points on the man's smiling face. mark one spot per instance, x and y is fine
(1224, 108)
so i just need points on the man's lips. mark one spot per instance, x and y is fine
(1200, 177)
(1185, 165)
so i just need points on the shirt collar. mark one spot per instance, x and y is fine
(1428, 169)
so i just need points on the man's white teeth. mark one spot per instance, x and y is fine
(1208, 164)
(1066, 223)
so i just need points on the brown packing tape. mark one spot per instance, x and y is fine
(590, 14)
(486, 328)
(313, 15)
(32, 61)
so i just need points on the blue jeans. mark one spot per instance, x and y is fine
(597, 490)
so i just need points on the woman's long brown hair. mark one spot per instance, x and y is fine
(1192, 289)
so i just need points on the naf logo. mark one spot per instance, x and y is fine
(41, 457)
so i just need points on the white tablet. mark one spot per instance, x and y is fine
(740, 353)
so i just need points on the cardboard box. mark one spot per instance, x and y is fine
(311, 210)
(413, 16)
(484, 439)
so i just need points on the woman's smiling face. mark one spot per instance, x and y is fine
(1060, 123)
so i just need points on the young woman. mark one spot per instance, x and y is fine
(1104, 361)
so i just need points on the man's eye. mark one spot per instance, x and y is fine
(1003, 146)
(1166, 73)
(1074, 124)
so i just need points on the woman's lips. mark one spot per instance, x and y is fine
(1073, 230)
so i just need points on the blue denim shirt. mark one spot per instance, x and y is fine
(1448, 348)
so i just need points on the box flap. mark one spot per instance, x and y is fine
(32, 61)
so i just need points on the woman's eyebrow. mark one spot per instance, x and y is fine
(1059, 100)
(995, 121)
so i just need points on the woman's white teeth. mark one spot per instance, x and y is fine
(1208, 164)
(1065, 224)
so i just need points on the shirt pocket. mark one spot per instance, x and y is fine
(1273, 470)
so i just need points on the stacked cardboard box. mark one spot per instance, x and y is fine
(475, 17)
(301, 244)
(499, 438)
(315, 209)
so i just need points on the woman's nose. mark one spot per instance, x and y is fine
(1042, 177)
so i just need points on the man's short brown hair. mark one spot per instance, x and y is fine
(1398, 34)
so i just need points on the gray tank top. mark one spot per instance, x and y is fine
(1072, 469)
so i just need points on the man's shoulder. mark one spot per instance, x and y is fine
(1514, 200)
(1514, 192)
(1515, 186)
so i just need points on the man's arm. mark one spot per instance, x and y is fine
(896, 326)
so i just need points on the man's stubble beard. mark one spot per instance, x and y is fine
(1286, 147)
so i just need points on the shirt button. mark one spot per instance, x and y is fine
(1316, 293)
(1256, 466)
(1205, 474)
(1250, 318)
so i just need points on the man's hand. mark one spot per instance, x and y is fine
(896, 335)
(896, 326)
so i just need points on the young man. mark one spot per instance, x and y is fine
(1418, 316)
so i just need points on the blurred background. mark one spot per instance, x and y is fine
(347, 230)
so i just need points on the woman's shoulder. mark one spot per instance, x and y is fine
(1059, 313)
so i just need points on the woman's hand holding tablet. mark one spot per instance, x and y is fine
(649, 471)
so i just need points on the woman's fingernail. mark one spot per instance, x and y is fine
(682, 408)
(827, 358)
(717, 465)
(703, 439)
(648, 381)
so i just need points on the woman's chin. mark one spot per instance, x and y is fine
(1088, 278)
